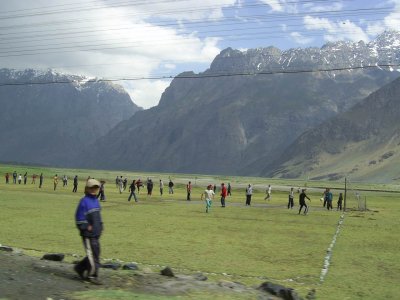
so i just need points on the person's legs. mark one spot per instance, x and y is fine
(92, 248)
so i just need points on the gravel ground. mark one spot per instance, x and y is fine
(25, 277)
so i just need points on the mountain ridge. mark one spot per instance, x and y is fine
(237, 125)
(44, 122)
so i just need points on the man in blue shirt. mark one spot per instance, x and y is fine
(90, 225)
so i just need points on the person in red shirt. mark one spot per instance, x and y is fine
(224, 193)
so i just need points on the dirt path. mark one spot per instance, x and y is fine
(25, 277)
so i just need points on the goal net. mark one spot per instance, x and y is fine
(355, 199)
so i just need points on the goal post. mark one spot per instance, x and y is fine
(353, 197)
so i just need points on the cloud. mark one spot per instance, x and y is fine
(300, 39)
(98, 39)
(275, 5)
(312, 7)
(146, 93)
(334, 31)
(282, 5)
(389, 22)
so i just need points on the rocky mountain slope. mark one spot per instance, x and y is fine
(49, 123)
(362, 143)
(213, 123)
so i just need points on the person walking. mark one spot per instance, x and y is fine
(55, 181)
(138, 185)
(170, 187)
(40, 180)
(7, 178)
(101, 193)
(188, 190)
(208, 196)
(325, 197)
(268, 191)
(121, 184)
(90, 225)
(249, 193)
(75, 184)
(161, 187)
(302, 201)
(224, 193)
(149, 187)
(291, 199)
(34, 179)
(125, 183)
(117, 182)
(229, 189)
(339, 202)
(329, 198)
(65, 180)
(132, 189)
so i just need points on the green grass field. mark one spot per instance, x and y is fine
(236, 243)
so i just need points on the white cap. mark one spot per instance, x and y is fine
(92, 183)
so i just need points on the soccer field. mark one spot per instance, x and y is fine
(247, 244)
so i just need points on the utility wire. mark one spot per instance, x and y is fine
(147, 3)
(204, 75)
(266, 18)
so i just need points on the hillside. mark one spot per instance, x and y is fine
(48, 123)
(362, 143)
(241, 124)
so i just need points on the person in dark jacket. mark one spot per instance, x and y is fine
(75, 184)
(170, 187)
(132, 189)
(302, 201)
(101, 195)
(339, 202)
(150, 186)
(40, 180)
(90, 225)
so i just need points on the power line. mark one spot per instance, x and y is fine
(204, 75)
(147, 3)
(265, 18)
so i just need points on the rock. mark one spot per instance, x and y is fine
(311, 295)
(114, 266)
(279, 290)
(6, 248)
(147, 270)
(130, 266)
(232, 285)
(53, 256)
(200, 277)
(167, 272)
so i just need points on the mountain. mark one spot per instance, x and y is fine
(219, 123)
(362, 143)
(48, 123)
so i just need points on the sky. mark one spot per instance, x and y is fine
(149, 42)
